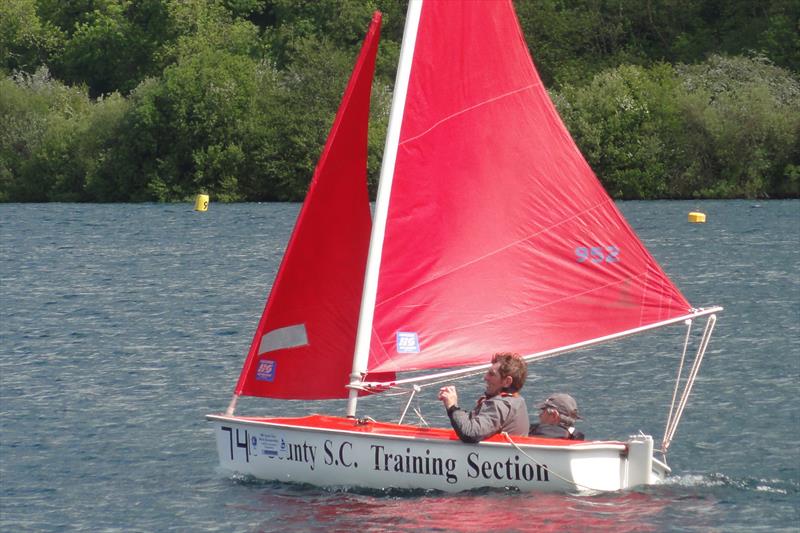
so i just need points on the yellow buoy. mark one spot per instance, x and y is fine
(201, 203)
(697, 217)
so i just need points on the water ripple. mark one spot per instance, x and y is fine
(122, 325)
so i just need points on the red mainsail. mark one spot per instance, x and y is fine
(498, 234)
(491, 234)
(303, 347)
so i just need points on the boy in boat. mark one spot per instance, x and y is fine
(557, 417)
(501, 408)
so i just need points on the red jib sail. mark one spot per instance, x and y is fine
(498, 234)
(303, 347)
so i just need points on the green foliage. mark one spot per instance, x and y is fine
(311, 89)
(187, 132)
(114, 46)
(44, 121)
(193, 128)
(627, 125)
(156, 100)
(294, 23)
(101, 135)
(745, 115)
(728, 127)
(202, 102)
(25, 40)
(67, 14)
(572, 41)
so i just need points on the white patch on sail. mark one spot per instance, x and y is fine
(281, 338)
(407, 342)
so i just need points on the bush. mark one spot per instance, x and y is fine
(744, 127)
(627, 125)
(44, 121)
(728, 127)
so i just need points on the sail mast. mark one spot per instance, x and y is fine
(361, 353)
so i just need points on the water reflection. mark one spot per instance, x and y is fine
(298, 509)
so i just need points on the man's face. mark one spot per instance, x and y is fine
(549, 415)
(494, 382)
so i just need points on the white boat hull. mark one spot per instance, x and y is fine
(340, 452)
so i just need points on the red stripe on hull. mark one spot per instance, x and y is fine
(335, 423)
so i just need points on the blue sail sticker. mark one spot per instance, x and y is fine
(407, 342)
(597, 254)
(266, 370)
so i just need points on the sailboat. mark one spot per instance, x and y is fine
(490, 233)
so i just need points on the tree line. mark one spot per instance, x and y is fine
(157, 100)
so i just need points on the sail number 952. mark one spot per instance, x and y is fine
(597, 254)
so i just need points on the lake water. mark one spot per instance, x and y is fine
(123, 325)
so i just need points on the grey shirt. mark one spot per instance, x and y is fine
(491, 416)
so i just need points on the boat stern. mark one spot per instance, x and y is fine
(641, 467)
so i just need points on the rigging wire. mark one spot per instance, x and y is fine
(677, 384)
(414, 391)
(689, 383)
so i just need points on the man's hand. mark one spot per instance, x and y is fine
(448, 396)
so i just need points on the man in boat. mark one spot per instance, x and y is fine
(500, 409)
(557, 417)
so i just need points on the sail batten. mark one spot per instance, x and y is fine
(465, 110)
